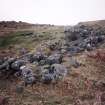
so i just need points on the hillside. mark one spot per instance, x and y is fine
(52, 65)
(95, 24)
(17, 35)
(7, 27)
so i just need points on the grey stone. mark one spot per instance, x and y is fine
(59, 70)
(17, 64)
(1, 61)
(27, 75)
(38, 57)
(42, 62)
(47, 78)
(74, 62)
(54, 58)
(7, 64)
(73, 50)
(27, 57)
(19, 89)
(53, 74)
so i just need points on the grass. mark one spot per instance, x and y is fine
(29, 39)
(23, 40)
(14, 38)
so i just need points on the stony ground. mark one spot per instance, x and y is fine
(78, 88)
(82, 86)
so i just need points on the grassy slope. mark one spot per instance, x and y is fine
(22, 38)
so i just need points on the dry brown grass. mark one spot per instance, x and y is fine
(82, 86)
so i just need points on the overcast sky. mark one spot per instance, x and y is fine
(58, 12)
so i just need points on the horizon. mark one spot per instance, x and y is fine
(49, 23)
(55, 12)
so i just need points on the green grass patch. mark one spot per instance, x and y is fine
(14, 38)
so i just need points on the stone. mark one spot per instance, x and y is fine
(47, 78)
(42, 62)
(54, 73)
(74, 62)
(54, 58)
(27, 75)
(4, 66)
(19, 89)
(59, 70)
(44, 69)
(73, 50)
(7, 64)
(39, 56)
(28, 57)
(29, 80)
(17, 64)
(1, 61)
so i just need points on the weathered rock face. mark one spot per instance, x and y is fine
(80, 38)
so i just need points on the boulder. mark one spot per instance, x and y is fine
(4, 66)
(44, 69)
(39, 56)
(27, 57)
(17, 64)
(74, 49)
(47, 78)
(27, 75)
(59, 70)
(53, 74)
(54, 58)
(7, 64)
(42, 62)
(1, 61)
(19, 89)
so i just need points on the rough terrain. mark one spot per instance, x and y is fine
(84, 83)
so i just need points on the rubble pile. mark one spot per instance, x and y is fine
(81, 37)
(20, 67)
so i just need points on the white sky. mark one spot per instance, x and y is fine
(60, 12)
